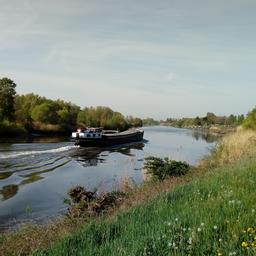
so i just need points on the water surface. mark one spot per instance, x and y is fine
(36, 174)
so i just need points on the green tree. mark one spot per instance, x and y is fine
(7, 96)
(250, 121)
(210, 118)
(46, 113)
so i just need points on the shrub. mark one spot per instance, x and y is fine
(87, 203)
(160, 168)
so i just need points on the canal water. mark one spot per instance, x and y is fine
(36, 174)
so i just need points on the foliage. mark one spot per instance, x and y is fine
(7, 95)
(85, 203)
(250, 121)
(162, 168)
(24, 105)
(208, 120)
(11, 129)
(150, 121)
(106, 118)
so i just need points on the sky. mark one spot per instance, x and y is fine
(146, 58)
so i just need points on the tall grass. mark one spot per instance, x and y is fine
(210, 216)
(231, 148)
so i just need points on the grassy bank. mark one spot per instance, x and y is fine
(210, 211)
(210, 216)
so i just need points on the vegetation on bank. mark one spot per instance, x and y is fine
(33, 113)
(210, 216)
(207, 121)
(208, 211)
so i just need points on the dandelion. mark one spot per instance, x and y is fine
(184, 229)
(202, 224)
(199, 229)
(176, 219)
(169, 244)
(220, 240)
(169, 224)
(215, 227)
(244, 244)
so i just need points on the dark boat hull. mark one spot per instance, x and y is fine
(108, 140)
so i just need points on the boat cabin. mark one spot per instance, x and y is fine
(95, 133)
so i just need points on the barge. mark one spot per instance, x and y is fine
(97, 137)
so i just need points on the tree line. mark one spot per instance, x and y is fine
(208, 120)
(37, 113)
(31, 112)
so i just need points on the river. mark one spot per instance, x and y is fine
(36, 174)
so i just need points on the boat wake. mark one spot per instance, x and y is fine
(14, 154)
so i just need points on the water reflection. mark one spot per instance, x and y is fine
(204, 135)
(9, 191)
(93, 156)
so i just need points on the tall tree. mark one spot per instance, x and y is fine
(7, 96)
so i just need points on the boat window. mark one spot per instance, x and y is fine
(94, 135)
(88, 135)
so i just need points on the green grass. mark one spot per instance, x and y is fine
(209, 216)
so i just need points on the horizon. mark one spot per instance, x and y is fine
(149, 59)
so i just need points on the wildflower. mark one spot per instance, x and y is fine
(176, 219)
(249, 229)
(220, 240)
(169, 224)
(219, 254)
(199, 229)
(169, 244)
(184, 229)
(202, 224)
(253, 210)
(190, 240)
(215, 227)
(244, 244)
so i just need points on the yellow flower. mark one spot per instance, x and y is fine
(244, 244)
(219, 254)
(249, 229)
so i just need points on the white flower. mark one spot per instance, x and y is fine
(215, 227)
(199, 229)
(169, 224)
(169, 244)
(253, 210)
(176, 219)
(202, 224)
(190, 240)
(220, 240)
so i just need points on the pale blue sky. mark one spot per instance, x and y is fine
(145, 58)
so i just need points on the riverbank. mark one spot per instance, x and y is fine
(150, 211)
(215, 129)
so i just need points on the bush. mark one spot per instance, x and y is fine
(87, 203)
(250, 121)
(160, 168)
